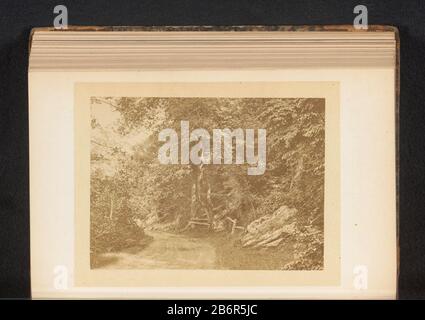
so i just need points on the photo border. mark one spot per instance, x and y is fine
(329, 276)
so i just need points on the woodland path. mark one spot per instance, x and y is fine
(185, 251)
(166, 250)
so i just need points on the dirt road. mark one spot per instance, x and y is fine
(167, 250)
(183, 251)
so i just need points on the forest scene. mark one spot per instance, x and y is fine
(148, 215)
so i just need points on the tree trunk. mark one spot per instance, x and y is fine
(111, 207)
(201, 203)
(209, 205)
(194, 205)
(297, 174)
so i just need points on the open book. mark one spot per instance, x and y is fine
(213, 162)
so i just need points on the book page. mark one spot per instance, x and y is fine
(344, 145)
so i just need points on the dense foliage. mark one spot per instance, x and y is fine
(131, 191)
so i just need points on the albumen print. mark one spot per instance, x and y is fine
(207, 183)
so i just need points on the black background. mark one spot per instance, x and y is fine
(18, 17)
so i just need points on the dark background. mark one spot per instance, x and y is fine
(18, 17)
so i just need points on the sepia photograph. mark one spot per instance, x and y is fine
(202, 151)
(207, 183)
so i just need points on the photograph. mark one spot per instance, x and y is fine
(198, 183)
